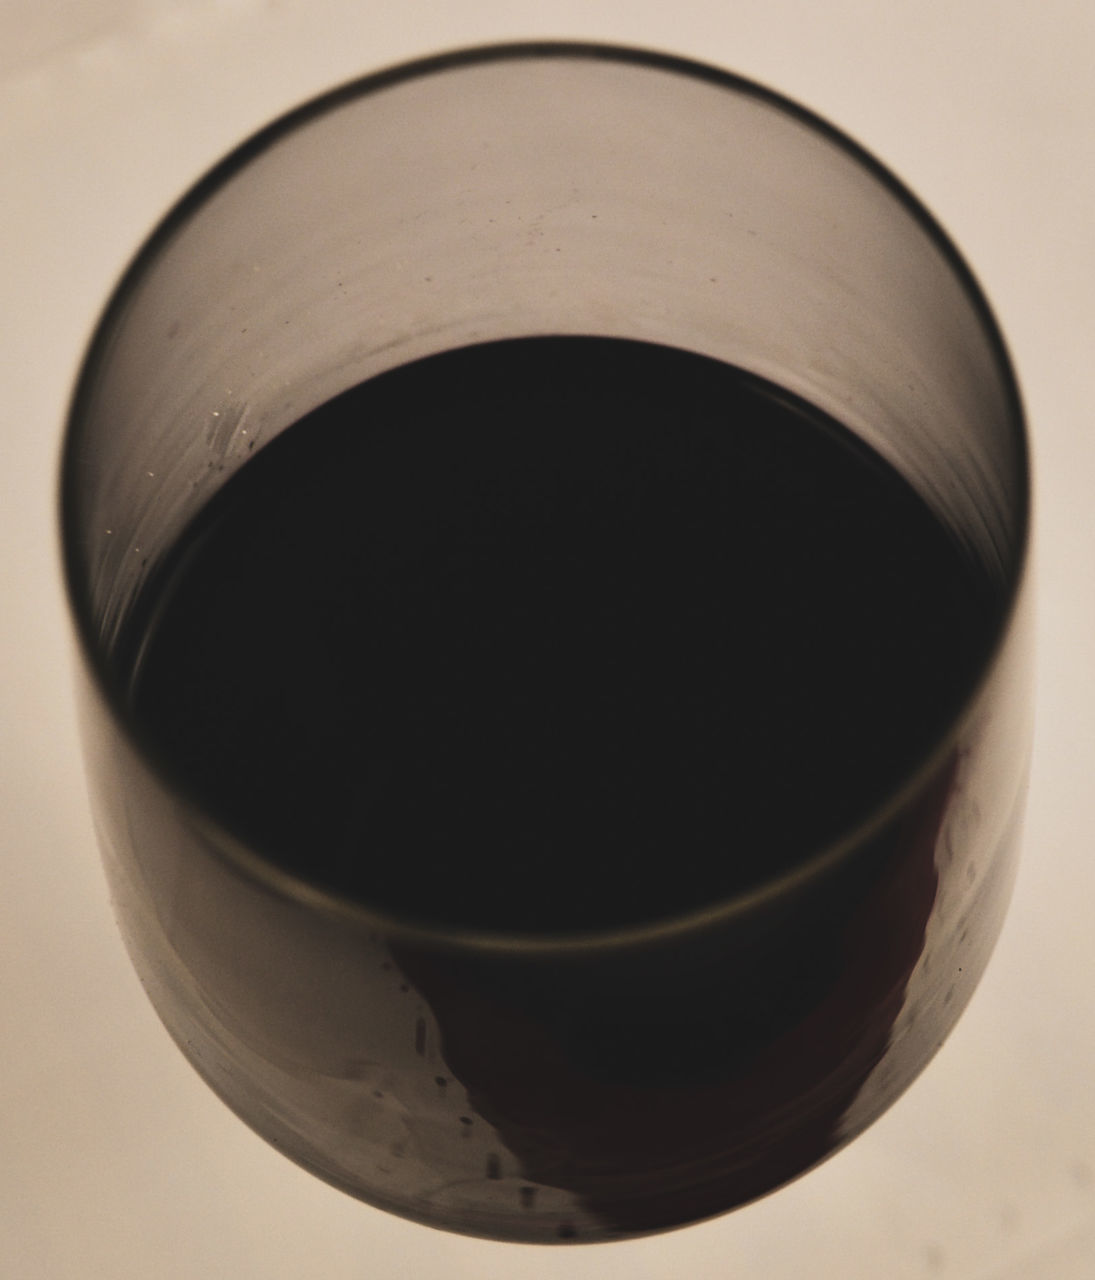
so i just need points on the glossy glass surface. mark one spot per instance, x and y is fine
(508, 1086)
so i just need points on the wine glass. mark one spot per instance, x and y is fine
(667, 1057)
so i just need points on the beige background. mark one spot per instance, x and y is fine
(115, 1161)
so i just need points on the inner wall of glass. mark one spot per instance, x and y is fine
(531, 195)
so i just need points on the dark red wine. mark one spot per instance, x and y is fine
(554, 634)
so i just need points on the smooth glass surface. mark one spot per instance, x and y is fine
(463, 1079)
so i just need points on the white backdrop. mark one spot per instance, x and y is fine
(115, 1160)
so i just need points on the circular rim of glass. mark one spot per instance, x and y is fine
(315, 898)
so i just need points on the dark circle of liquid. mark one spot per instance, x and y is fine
(555, 634)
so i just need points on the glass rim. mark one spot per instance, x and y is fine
(220, 841)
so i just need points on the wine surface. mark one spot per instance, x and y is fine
(554, 634)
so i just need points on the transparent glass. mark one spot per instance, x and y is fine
(479, 1081)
